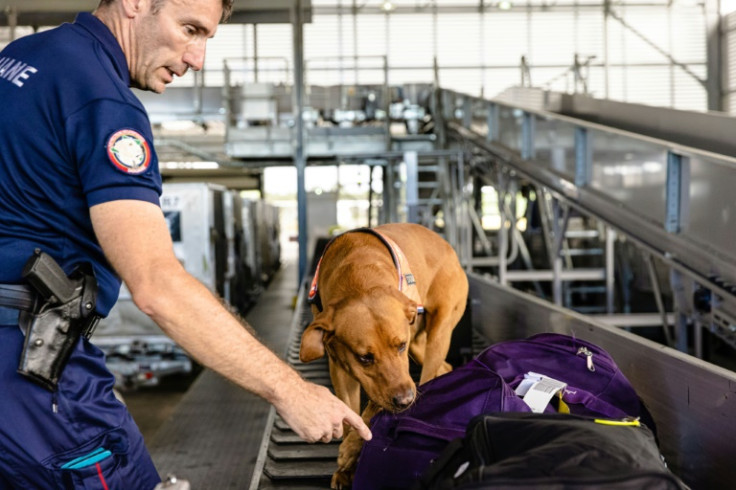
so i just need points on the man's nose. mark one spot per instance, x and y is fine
(194, 55)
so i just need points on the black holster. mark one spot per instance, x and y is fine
(53, 329)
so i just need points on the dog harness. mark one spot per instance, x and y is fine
(407, 283)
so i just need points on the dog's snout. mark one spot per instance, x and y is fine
(403, 400)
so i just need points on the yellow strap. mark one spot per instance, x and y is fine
(561, 405)
(628, 423)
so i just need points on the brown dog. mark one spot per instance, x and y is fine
(368, 319)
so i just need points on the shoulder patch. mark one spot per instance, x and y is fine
(128, 150)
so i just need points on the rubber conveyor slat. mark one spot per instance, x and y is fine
(285, 461)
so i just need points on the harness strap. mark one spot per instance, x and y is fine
(17, 296)
(407, 283)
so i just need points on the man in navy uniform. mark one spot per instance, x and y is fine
(79, 180)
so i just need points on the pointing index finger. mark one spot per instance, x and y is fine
(354, 420)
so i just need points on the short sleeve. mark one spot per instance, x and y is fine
(111, 144)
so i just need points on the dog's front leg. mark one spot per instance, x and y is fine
(347, 456)
(439, 334)
(346, 387)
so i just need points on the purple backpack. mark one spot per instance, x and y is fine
(405, 444)
(595, 384)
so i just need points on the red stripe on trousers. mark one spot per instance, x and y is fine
(102, 478)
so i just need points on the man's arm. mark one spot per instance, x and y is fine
(136, 241)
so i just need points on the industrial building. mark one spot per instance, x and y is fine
(578, 155)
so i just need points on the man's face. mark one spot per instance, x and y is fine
(171, 41)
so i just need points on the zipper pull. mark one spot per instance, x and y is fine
(54, 405)
(583, 351)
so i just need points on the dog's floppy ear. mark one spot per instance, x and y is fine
(313, 339)
(410, 306)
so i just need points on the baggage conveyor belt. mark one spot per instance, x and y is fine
(284, 460)
(691, 401)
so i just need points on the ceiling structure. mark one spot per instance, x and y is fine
(53, 12)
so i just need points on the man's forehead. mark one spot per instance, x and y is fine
(202, 13)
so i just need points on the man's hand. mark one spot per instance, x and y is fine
(315, 414)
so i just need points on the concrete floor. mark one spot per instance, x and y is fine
(150, 407)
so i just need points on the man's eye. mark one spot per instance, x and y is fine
(366, 359)
(402, 347)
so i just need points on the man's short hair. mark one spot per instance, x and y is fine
(227, 7)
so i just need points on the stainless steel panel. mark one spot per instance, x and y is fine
(554, 144)
(479, 119)
(712, 207)
(692, 402)
(183, 103)
(259, 141)
(627, 188)
(712, 131)
(329, 141)
(631, 172)
(510, 121)
(276, 141)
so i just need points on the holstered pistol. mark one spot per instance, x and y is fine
(64, 312)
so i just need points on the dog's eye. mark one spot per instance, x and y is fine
(366, 359)
(402, 347)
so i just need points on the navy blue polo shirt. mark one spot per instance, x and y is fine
(72, 135)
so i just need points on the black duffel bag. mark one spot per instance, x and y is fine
(551, 451)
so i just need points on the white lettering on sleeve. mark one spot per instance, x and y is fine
(23, 75)
(15, 71)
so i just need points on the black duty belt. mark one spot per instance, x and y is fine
(17, 296)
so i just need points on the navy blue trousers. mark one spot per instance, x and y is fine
(79, 437)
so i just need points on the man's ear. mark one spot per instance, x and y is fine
(133, 8)
(313, 339)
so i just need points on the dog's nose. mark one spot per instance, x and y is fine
(403, 400)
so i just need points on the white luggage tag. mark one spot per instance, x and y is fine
(537, 390)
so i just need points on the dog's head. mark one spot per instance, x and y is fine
(368, 337)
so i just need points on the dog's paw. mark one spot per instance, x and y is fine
(445, 368)
(342, 480)
(347, 460)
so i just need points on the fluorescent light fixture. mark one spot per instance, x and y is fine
(387, 6)
(504, 5)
